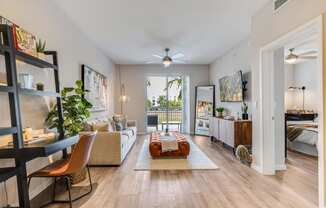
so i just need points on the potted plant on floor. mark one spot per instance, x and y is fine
(220, 111)
(76, 110)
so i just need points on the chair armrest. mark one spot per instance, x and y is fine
(132, 123)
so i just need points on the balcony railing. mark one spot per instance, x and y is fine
(174, 115)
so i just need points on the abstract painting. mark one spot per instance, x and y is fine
(231, 89)
(96, 85)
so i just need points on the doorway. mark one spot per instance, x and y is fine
(274, 114)
(165, 103)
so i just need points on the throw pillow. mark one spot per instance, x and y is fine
(122, 120)
(112, 124)
(118, 126)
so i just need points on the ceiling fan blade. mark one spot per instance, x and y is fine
(177, 56)
(179, 61)
(308, 57)
(312, 52)
(152, 62)
(158, 56)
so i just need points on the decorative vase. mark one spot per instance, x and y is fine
(220, 114)
(245, 116)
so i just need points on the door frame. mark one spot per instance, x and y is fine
(166, 76)
(267, 138)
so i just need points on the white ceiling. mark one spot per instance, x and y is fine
(130, 31)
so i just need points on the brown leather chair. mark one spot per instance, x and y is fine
(64, 168)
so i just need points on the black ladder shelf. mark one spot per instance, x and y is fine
(18, 151)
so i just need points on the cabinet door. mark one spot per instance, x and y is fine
(229, 133)
(222, 130)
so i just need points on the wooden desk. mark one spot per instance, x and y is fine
(42, 148)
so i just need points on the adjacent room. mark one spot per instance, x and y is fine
(150, 104)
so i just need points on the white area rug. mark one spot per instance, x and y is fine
(196, 160)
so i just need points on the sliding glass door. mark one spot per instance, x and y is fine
(164, 103)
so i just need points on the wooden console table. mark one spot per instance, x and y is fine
(231, 132)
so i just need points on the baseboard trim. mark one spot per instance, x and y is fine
(280, 167)
(257, 168)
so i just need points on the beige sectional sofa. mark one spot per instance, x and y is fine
(111, 147)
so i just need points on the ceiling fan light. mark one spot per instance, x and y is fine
(291, 59)
(167, 61)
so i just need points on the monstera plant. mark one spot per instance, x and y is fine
(76, 110)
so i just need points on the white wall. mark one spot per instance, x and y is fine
(236, 59)
(268, 26)
(303, 74)
(134, 78)
(45, 20)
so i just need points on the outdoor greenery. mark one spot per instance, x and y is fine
(163, 102)
(76, 110)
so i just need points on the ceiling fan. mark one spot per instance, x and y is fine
(167, 60)
(293, 58)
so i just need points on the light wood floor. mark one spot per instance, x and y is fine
(234, 185)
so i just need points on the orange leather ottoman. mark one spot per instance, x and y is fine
(155, 146)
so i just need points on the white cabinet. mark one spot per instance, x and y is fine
(214, 127)
(232, 133)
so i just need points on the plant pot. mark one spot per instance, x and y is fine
(40, 87)
(41, 56)
(220, 114)
(245, 116)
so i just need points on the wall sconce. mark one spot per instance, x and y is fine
(123, 97)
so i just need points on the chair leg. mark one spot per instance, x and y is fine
(69, 192)
(90, 179)
(29, 182)
(54, 188)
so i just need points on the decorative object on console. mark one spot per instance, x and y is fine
(244, 108)
(220, 111)
(76, 110)
(96, 85)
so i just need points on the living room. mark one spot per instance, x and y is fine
(145, 104)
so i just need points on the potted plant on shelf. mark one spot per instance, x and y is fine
(220, 111)
(40, 49)
(244, 108)
(76, 110)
